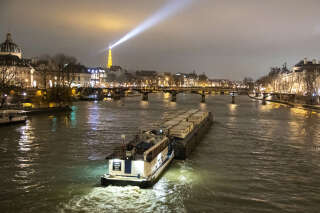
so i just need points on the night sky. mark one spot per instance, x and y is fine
(225, 39)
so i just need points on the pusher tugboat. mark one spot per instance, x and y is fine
(141, 161)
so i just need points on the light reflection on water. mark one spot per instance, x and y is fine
(26, 137)
(117, 199)
(165, 196)
(29, 149)
(233, 108)
(53, 123)
(73, 116)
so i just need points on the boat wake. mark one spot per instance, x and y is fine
(126, 199)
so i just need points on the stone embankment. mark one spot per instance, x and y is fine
(291, 104)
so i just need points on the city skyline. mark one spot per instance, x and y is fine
(233, 40)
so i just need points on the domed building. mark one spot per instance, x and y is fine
(34, 73)
(14, 69)
(10, 48)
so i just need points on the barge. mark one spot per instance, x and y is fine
(186, 131)
(140, 162)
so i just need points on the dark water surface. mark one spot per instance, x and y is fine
(255, 158)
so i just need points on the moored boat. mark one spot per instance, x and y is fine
(11, 116)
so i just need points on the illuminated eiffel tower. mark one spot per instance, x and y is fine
(109, 59)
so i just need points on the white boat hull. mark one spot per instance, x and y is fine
(134, 180)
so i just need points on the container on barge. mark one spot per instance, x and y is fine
(186, 131)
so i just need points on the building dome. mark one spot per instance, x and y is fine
(10, 48)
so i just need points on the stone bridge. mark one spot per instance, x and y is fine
(118, 92)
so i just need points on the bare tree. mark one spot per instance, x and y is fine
(62, 61)
(46, 68)
(271, 78)
(310, 77)
(248, 82)
(203, 78)
(7, 77)
(70, 73)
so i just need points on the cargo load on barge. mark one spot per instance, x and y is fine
(186, 130)
(141, 161)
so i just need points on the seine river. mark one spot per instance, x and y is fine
(255, 158)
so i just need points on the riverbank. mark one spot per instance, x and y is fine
(291, 104)
(48, 110)
(35, 111)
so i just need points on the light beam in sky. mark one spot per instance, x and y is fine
(169, 9)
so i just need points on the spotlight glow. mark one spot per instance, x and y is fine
(165, 12)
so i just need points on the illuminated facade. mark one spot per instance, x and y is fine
(304, 79)
(15, 70)
(98, 77)
(109, 59)
(80, 77)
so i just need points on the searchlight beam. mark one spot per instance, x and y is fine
(163, 13)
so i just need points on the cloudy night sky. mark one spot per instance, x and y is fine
(225, 39)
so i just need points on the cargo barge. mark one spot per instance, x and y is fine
(186, 131)
(140, 162)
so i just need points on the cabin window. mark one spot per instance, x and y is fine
(116, 166)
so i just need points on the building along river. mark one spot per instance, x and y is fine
(255, 158)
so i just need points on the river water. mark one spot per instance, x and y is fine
(255, 158)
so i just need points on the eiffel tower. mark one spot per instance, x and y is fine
(109, 59)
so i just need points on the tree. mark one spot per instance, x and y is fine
(271, 78)
(178, 80)
(203, 78)
(61, 91)
(111, 77)
(7, 76)
(310, 77)
(70, 72)
(46, 69)
(61, 62)
(248, 82)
